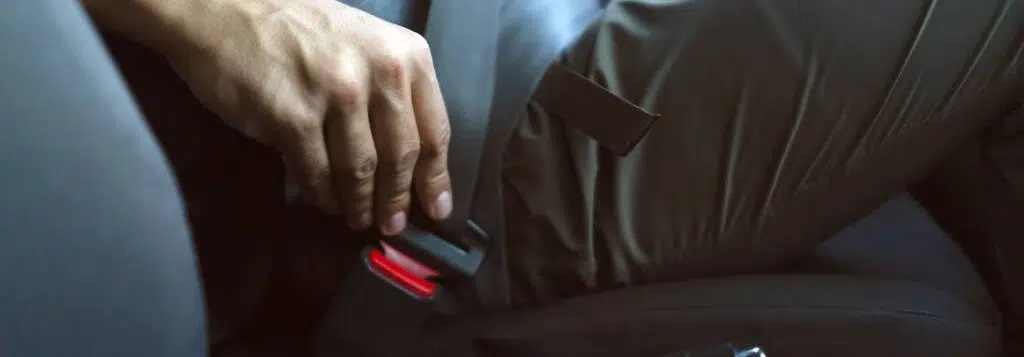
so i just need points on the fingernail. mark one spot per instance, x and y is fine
(442, 206)
(360, 222)
(394, 225)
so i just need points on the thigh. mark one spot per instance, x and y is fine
(782, 121)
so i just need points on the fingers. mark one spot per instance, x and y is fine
(305, 155)
(353, 160)
(389, 132)
(432, 182)
(394, 131)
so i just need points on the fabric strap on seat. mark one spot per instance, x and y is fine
(463, 37)
(615, 123)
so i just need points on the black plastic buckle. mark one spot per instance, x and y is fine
(393, 290)
(453, 260)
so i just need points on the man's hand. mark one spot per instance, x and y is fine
(350, 101)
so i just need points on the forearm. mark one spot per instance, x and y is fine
(162, 25)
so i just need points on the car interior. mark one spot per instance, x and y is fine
(96, 264)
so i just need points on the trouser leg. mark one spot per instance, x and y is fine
(782, 122)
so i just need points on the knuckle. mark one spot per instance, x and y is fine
(360, 197)
(362, 170)
(438, 146)
(420, 49)
(316, 182)
(350, 93)
(390, 68)
(297, 126)
(404, 159)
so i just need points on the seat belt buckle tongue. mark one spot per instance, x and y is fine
(450, 260)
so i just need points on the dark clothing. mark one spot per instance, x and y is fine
(783, 121)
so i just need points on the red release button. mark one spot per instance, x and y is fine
(394, 271)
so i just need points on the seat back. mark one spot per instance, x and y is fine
(95, 256)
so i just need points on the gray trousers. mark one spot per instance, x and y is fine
(95, 252)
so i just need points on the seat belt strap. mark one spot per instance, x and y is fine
(463, 38)
(382, 307)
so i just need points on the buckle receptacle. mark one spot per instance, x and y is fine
(454, 260)
(391, 292)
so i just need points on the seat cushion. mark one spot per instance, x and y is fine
(890, 285)
(899, 241)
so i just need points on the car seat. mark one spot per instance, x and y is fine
(886, 287)
(95, 257)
